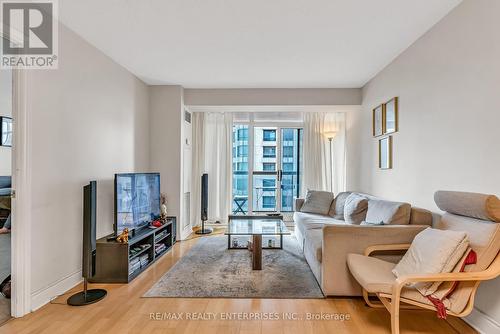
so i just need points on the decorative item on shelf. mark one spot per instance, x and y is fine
(163, 206)
(385, 153)
(378, 121)
(235, 242)
(123, 237)
(391, 116)
(156, 223)
(330, 135)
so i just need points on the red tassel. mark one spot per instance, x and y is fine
(470, 259)
(438, 303)
(440, 308)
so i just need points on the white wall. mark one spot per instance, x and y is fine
(5, 110)
(448, 84)
(88, 119)
(166, 144)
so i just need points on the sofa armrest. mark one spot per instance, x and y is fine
(298, 203)
(340, 240)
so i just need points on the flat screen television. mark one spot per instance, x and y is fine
(137, 200)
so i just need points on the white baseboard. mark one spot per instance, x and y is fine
(45, 295)
(483, 323)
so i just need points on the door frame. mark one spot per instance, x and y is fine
(21, 203)
(21, 185)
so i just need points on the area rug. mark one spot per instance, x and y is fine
(210, 270)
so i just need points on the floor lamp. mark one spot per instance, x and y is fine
(330, 135)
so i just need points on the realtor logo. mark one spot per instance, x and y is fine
(29, 34)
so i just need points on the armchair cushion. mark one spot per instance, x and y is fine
(373, 274)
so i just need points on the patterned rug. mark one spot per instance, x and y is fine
(210, 270)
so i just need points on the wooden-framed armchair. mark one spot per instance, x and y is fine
(476, 214)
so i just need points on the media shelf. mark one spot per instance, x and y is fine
(118, 263)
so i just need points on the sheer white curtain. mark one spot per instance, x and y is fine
(319, 166)
(212, 145)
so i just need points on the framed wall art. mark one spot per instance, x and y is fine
(378, 121)
(391, 116)
(385, 153)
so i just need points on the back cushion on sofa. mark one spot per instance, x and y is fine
(318, 202)
(355, 209)
(337, 208)
(388, 213)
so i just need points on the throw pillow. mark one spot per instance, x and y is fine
(355, 209)
(337, 208)
(317, 202)
(386, 212)
(432, 251)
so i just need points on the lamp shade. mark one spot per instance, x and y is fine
(330, 134)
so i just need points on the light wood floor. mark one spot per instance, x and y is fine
(124, 311)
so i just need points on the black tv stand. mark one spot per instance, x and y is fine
(117, 262)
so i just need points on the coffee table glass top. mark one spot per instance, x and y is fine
(256, 226)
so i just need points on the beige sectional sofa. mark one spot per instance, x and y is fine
(327, 239)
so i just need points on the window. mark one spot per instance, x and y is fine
(288, 151)
(243, 134)
(242, 151)
(241, 167)
(269, 135)
(241, 184)
(269, 151)
(288, 167)
(288, 134)
(268, 202)
(269, 183)
(268, 166)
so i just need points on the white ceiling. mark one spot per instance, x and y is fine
(253, 43)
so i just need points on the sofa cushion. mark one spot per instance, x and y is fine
(312, 220)
(337, 208)
(307, 221)
(355, 209)
(313, 243)
(318, 202)
(386, 212)
(432, 251)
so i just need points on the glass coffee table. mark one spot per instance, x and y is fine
(256, 228)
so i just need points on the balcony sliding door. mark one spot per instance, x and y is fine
(267, 161)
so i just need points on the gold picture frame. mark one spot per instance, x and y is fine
(378, 121)
(385, 153)
(390, 114)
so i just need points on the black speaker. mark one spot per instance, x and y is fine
(204, 205)
(204, 197)
(89, 248)
(89, 229)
